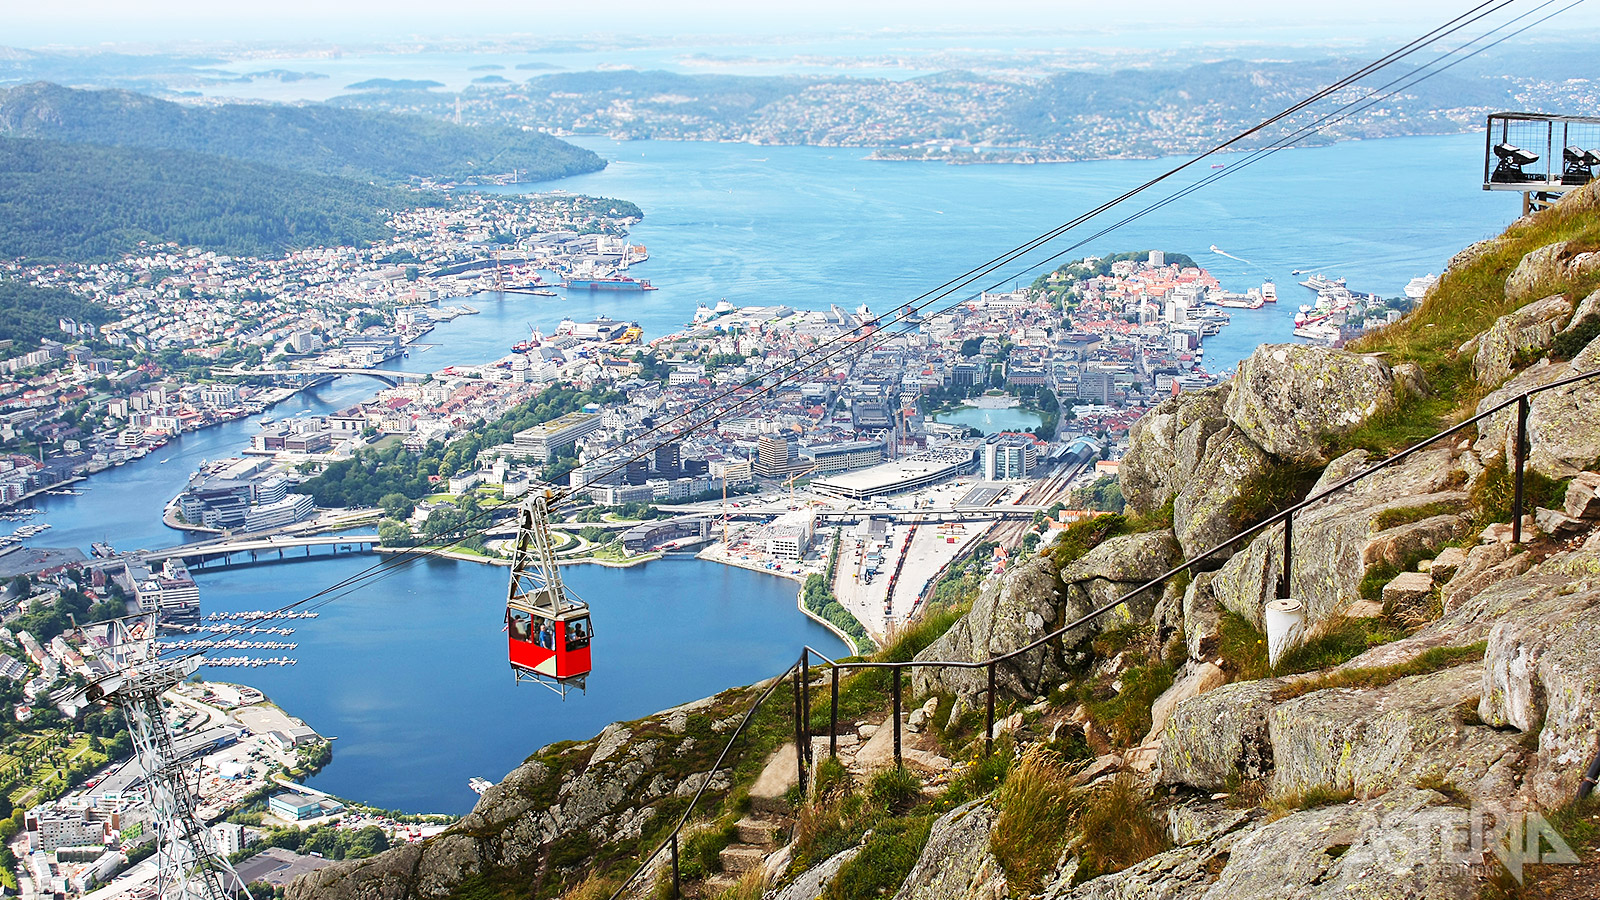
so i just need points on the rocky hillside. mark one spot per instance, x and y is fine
(1155, 752)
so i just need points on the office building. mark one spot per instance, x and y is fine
(543, 441)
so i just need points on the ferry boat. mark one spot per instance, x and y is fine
(1269, 292)
(607, 283)
(1228, 299)
(1322, 330)
(1322, 283)
(479, 785)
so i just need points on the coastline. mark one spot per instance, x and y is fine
(799, 595)
(169, 518)
(742, 564)
(501, 561)
(43, 490)
(800, 604)
(278, 395)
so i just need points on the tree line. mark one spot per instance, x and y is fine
(320, 139)
(374, 473)
(88, 203)
(28, 312)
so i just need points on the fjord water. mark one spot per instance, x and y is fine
(810, 226)
(409, 672)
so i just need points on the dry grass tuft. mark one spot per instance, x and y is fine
(1041, 815)
(1431, 660)
(1287, 804)
(750, 887)
(1118, 829)
(1036, 815)
(593, 887)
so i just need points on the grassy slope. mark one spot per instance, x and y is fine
(1469, 297)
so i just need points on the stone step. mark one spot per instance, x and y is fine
(1408, 591)
(762, 832)
(777, 776)
(738, 859)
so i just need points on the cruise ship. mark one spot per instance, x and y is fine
(1418, 287)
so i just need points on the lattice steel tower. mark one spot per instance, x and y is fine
(188, 866)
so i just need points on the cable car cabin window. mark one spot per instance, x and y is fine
(578, 633)
(544, 632)
(521, 625)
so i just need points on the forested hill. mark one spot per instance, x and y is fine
(322, 139)
(28, 313)
(89, 203)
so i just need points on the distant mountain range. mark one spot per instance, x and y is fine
(87, 175)
(1149, 111)
(319, 139)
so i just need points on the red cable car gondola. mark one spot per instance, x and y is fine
(548, 631)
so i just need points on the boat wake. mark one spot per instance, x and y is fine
(1221, 252)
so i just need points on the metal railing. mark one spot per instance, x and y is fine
(800, 671)
(673, 839)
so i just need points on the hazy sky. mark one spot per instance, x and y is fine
(80, 22)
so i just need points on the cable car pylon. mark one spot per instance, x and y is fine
(548, 630)
(188, 867)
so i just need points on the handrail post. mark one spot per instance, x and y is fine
(799, 735)
(677, 883)
(897, 717)
(1590, 778)
(833, 717)
(988, 715)
(805, 682)
(1522, 462)
(1285, 582)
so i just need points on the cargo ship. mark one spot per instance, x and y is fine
(607, 283)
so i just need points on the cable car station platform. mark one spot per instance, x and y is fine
(1541, 156)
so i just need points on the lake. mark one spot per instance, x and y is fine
(991, 421)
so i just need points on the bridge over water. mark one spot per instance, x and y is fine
(391, 377)
(227, 552)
